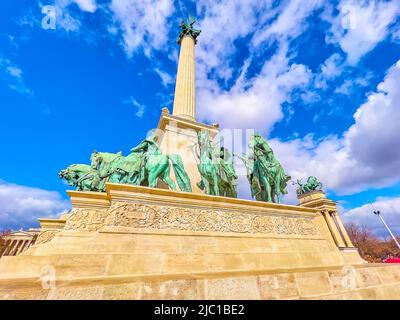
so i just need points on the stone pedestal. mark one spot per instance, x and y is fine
(141, 243)
(179, 136)
(317, 199)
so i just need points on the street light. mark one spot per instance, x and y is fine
(378, 213)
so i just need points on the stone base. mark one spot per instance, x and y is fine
(179, 136)
(142, 243)
(375, 281)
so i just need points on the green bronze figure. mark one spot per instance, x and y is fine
(187, 29)
(215, 165)
(312, 184)
(265, 174)
(143, 166)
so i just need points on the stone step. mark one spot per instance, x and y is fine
(373, 281)
(78, 265)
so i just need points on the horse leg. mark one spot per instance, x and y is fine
(206, 185)
(167, 179)
(267, 189)
(152, 179)
(278, 188)
(215, 182)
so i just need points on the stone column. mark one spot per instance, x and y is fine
(343, 230)
(12, 247)
(333, 229)
(15, 249)
(185, 90)
(21, 247)
(3, 251)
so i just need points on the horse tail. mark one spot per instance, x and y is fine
(181, 176)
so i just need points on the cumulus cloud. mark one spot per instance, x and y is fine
(289, 21)
(254, 102)
(165, 77)
(21, 206)
(13, 75)
(257, 104)
(86, 5)
(65, 20)
(390, 210)
(222, 24)
(361, 25)
(140, 108)
(143, 23)
(367, 155)
(330, 69)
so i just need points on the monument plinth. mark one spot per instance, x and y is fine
(136, 242)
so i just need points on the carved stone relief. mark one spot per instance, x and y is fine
(137, 215)
(46, 236)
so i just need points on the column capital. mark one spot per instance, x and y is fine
(188, 30)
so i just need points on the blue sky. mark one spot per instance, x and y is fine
(319, 79)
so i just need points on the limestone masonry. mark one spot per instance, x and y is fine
(142, 242)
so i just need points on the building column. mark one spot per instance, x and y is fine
(11, 248)
(3, 251)
(342, 229)
(15, 249)
(185, 88)
(27, 245)
(333, 229)
(21, 247)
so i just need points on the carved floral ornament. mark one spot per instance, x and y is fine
(46, 236)
(146, 216)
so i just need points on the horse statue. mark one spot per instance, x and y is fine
(227, 183)
(312, 184)
(266, 175)
(206, 166)
(157, 165)
(216, 168)
(143, 166)
(83, 177)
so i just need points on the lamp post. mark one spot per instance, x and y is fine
(378, 213)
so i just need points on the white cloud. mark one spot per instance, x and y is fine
(310, 97)
(140, 108)
(330, 69)
(345, 87)
(21, 206)
(289, 22)
(86, 5)
(14, 71)
(361, 25)
(368, 154)
(143, 23)
(13, 75)
(389, 209)
(256, 102)
(64, 20)
(165, 77)
(222, 24)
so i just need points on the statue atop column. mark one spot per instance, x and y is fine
(188, 29)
